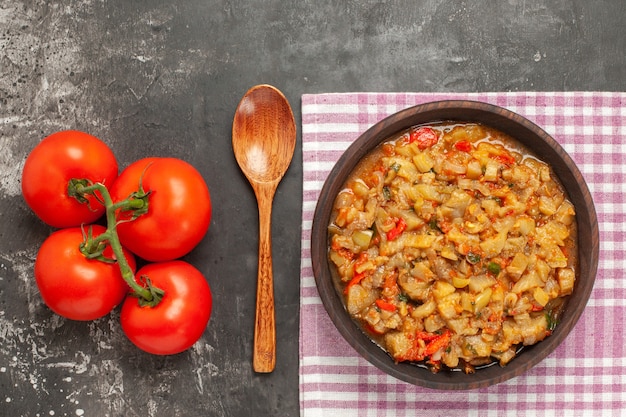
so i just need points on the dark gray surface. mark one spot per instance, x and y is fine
(164, 78)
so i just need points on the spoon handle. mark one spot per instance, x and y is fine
(264, 356)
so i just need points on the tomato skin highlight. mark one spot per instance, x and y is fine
(49, 167)
(179, 208)
(179, 320)
(73, 286)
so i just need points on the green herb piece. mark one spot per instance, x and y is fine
(386, 193)
(494, 268)
(552, 320)
(434, 226)
(473, 258)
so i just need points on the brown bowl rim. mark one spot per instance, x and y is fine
(529, 134)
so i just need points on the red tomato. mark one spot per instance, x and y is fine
(52, 163)
(76, 287)
(178, 321)
(179, 208)
(424, 136)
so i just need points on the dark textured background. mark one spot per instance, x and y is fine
(153, 77)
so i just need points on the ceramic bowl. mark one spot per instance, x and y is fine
(527, 133)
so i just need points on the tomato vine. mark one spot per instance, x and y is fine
(148, 294)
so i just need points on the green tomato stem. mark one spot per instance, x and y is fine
(147, 296)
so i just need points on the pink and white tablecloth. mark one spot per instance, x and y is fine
(585, 376)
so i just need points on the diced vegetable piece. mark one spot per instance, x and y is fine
(417, 289)
(433, 323)
(491, 207)
(362, 238)
(527, 282)
(463, 146)
(543, 269)
(358, 298)
(474, 170)
(482, 299)
(478, 283)
(398, 344)
(532, 329)
(454, 235)
(565, 213)
(453, 168)
(491, 171)
(493, 246)
(504, 357)
(449, 253)
(566, 277)
(462, 326)
(397, 230)
(360, 189)
(428, 192)
(544, 172)
(541, 296)
(518, 265)
(442, 288)
(412, 220)
(419, 241)
(338, 259)
(344, 199)
(548, 205)
(474, 132)
(460, 281)
(356, 279)
(385, 305)
(422, 271)
(438, 343)
(423, 162)
(467, 301)
(359, 268)
(450, 305)
(518, 174)
(554, 231)
(525, 225)
(409, 172)
(405, 150)
(494, 268)
(424, 310)
(476, 346)
(458, 202)
(456, 134)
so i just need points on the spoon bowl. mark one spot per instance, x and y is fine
(264, 140)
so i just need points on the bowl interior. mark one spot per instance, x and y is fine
(526, 133)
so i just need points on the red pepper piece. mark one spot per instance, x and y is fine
(434, 342)
(355, 280)
(397, 230)
(440, 342)
(463, 146)
(357, 277)
(505, 159)
(425, 336)
(385, 305)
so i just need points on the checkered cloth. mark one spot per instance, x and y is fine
(585, 376)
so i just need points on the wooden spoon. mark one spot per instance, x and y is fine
(264, 139)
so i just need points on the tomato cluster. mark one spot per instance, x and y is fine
(157, 209)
